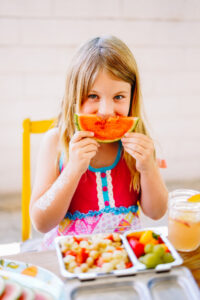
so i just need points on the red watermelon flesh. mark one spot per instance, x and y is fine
(2, 286)
(27, 294)
(12, 291)
(106, 130)
(41, 295)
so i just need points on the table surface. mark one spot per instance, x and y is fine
(48, 260)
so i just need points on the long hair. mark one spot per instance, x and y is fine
(111, 54)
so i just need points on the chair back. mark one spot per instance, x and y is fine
(29, 127)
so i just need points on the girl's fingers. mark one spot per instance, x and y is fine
(141, 140)
(139, 136)
(86, 141)
(135, 148)
(90, 154)
(89, 148)
(136, 134)
(134, 154)
(79, 135)
(132, 141)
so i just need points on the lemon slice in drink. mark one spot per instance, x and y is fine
(194, 198)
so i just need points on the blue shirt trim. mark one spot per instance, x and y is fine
(104, 169)
(92, 213)
(61, 160)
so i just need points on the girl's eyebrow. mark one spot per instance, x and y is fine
(120, 92)
(93, 91)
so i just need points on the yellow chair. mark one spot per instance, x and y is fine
(29, 127)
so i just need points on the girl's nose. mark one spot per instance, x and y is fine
(106, 108)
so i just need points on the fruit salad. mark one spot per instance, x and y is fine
(149, 248)
(95, 253)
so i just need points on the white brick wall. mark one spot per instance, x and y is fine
(37, 41)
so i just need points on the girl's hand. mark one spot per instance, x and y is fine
(82, 148)
(141, 148)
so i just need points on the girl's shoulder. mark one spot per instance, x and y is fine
(50, 143)
(52, 136)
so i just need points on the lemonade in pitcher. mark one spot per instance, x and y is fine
(184, 219)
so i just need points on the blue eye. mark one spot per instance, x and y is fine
(119, 97)
(92, 96)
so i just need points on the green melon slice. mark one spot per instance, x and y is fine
(2, 286)
(27, 294)
(12, 290)
(106, 130)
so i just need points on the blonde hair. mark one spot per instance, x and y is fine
(111, 54)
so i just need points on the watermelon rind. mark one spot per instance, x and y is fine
(9, 294)
(2, 285)
(27, 294)
(42, 295)
(131, 129)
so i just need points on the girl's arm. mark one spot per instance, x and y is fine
(154, 194)
(52, 192)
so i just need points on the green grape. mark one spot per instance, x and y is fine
(167, 258)
(148, 248)
(159, 250)
(141, 259)
(151, 260)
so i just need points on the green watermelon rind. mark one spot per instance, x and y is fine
(78, 126)
(44, 294)
(16, 292)
(28, 293)
(2, 286)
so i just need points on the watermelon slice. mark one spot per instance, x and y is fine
(106, 130)
(42, 295)
(12, 290)
(27, 294)
(2, 286)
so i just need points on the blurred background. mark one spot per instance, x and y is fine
(37, 41)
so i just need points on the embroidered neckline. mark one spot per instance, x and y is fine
(92, 213)
(104, 169)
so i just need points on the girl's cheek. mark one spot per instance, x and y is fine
(88, 108)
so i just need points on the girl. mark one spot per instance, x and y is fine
(83, 186)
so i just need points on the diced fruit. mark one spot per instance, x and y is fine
(69, 252)
(136, 235)
(146, 237)
(165, 247)
(158, 250)
(137, 247)
(148, 248)
(99, 262)
(155, 235)
(78, 239)
(151, 260)
(110, 237)
(167, 258)
(160, 241)
(104, 252)
(155, 250)
(128, 264)
(82, 256)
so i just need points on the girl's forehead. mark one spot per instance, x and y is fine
(104, 76)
